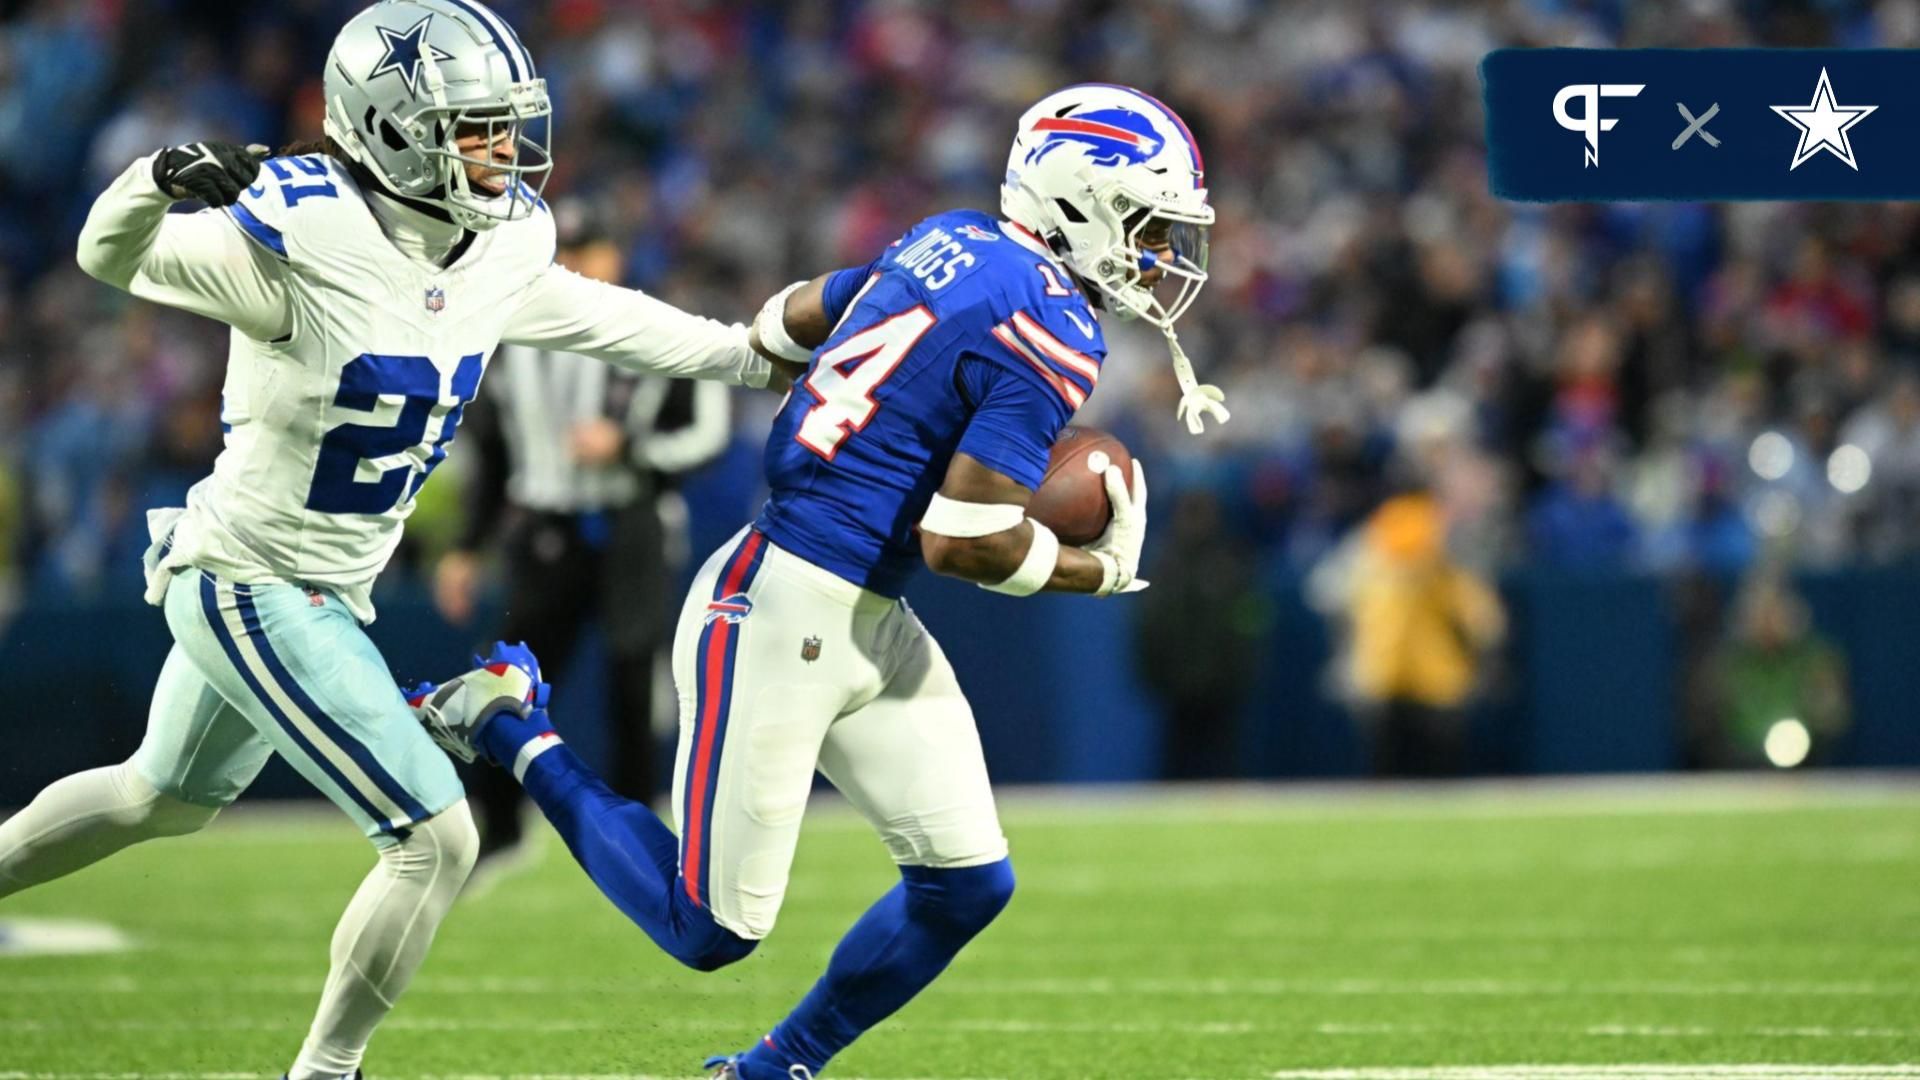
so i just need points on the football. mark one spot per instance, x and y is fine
(1072, 499)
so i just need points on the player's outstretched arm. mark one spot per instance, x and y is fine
(566, 312)
(202, 262)
(977, 530)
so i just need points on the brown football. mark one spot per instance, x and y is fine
(1072, 500)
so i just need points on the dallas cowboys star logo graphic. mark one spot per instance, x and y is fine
(1823, 125)
(404, 51)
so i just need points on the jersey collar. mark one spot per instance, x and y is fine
(1023, 236)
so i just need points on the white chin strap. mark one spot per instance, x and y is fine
(1198, 401)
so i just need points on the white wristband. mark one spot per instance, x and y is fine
(1043, 555)
(771, 324)
(966, 520)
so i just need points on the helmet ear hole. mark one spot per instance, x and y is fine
(368, 119)
(391, 136)
(1070, 212)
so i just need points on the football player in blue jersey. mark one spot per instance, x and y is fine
(930, 385)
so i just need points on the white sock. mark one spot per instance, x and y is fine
(84, 818)
(383, 937)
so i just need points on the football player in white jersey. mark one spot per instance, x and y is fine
(366, 286)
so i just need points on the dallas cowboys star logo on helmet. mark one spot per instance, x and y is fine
(404, 52)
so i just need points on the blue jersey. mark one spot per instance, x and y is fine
(960, 337)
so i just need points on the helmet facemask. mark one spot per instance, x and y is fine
(524, 124)
(1141, 229)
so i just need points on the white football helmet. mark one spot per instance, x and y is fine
(407, 78)
(1094, 169)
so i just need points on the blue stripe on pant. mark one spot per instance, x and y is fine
(383, 786)
(210, 602)
(395, 791)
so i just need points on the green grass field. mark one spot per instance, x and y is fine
(1294, 934)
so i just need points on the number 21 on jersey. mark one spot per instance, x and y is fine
(845, 377)
(398, 453)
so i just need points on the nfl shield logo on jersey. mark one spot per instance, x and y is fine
(436, 299)
(810, 649)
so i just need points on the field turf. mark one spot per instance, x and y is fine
(1639, 930)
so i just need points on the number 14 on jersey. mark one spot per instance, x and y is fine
(845, 377)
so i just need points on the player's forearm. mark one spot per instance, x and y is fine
(199, 263)
(667, 341)
(790, 325)
(632, 330)
(805, 314)
(1076, 572)
(991, 560)
(122, 226)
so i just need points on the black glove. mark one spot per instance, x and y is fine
(213, 172)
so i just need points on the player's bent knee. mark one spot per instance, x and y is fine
(159, 812)
(961, 900)
(445, 845)
(171, 817)
(714, 947)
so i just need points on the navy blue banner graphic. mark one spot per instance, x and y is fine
(1596, 125)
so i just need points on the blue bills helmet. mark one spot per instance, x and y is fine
(1108, 176)
(407, 80)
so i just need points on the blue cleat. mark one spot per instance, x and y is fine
(506, 680)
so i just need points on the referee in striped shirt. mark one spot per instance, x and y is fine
(577, 463)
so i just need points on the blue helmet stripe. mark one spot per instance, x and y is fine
(524, 54)
(493, 24)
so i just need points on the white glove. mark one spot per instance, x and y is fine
(1118, 549)
(1201, 403)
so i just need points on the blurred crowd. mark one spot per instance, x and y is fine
(1649, 387)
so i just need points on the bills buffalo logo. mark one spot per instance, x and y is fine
(1109, 136)
(975, 232)
(729, 609)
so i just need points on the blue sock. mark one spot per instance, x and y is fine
(894, 951)
(628, 851)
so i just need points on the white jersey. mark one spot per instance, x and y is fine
(350, 362)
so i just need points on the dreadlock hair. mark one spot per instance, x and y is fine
(324, 145)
